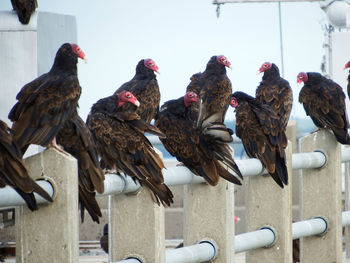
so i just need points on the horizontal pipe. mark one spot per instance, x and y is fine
(117, 184)
(308, 160)
(256, 239)
(345, 218)
(179, 175)
(128, 260)
(9, 197)
(345, 154)
(311, 227)
(202, 252)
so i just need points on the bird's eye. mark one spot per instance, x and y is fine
(265, 65)
(128, 95)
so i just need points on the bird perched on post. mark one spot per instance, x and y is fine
(199, 152)
(324, 102)
(13, 171)
(144, 87)
(262, 135)
(347, 65)
(48, 101)
(24, 9)
(275, 92)
(76, 139)
(119, 134)
(215, 91)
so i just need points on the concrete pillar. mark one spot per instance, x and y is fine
(321, 197)
(347, 206)
(291, 133)
(136, 227)
(209, 213)
(28, 51)
(50, 234)
(269, 205)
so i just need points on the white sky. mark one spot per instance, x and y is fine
(182, 35)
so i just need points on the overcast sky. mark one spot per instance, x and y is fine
(182, 35)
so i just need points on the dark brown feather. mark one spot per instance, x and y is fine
(190, 145)
(121, 142)
(144, 87)
(276, 92)
(13, 171)
(75, 137)
(24, 9)
(262, 135)
(215, 92)
(47, 102)
(348, 87)
(324, 102)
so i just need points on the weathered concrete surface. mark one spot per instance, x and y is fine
(347, 207)
(209, 213)
(269, 205)
(136, 225)
(51, 233)
(291, 133)
(28, 51)
(322, 187)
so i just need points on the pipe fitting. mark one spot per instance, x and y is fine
(213, 244)
(51, 182)
(326, 222)
(274, 234)
(136, 257)
(325, 156)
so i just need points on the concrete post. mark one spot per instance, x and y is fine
(28, 51)
(269, 205)
(136, 227)
(209, 213)
(50, 234)
(347, 206)
(321, 197)
(291, 132)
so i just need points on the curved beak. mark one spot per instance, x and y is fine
(137, 103)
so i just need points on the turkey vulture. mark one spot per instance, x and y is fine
(324, 102)
(144, 87)
(194, 85)
(215, 91)
(48, 101)
(75, 137)
(119, 135)
(13, 171)
(275, 92)
(348, 66)
(262, 135)
(190, 144)
(24, 9)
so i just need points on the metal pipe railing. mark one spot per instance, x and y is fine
(204, 251)
(179, 175)
(264, 237)
(128, 260)
(9, 197)
(311, 227)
